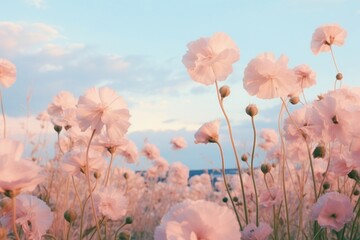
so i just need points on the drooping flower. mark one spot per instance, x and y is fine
(7, 73)
(32, 214)
(103, 107)
(208, 132)
(327, 35)
(111, 203)
(198, 220)
(252, 232)
(332, 210)
(268, 78)
(178, 143)
(210, 59)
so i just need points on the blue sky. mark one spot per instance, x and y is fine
(136, 47)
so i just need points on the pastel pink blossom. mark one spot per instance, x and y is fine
(129, 151)
(208, 132)
(178, 174)
(210, 59)
(150, 151)
(7, 73)
(200, 219)
(305, 75)
(327, 35)
(178, 143)
(332, 210)
(62, 109)
(270, 138)
(252, 232)
(111, 203)
(271, 197)
(32, 214)
(269, 78)
(103, 107)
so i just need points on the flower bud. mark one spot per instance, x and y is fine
(339, 76)
(124, 236)
(319, 151)
(224, 91)
(97, 175)
(252, 110)
(265, 168)
(294, 100)
(57, 128)
(225, 199)
(244, 157)
(235, 199)
(70, 215)
(354, 175)
(126, 175)
(356, 192)
(128, 220)
(326, 185)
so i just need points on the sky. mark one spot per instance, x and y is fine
(136, 48)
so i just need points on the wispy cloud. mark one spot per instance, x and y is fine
(40, 4)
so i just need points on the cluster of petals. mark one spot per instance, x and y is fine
(305, 75)
(332, 210)
(62, 109)
(327, 35)
(178, 143)
(111, 203)
(208, 132)
(17, 174)
(210, 59)
(269, 78)
(7, 73)
(100, 107)
(32, 214)
(150, 151)
(198, 220)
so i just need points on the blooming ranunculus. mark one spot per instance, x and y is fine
(7, 73)
(198, 220)
(327, 35)
(103, 107)
(208, 132)
(332, 210)
(268, 78)
(210, 59)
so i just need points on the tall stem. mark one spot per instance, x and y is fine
(226, 185)
(252, 171)
(13, 200)
(3, 113)
(234, 149)
(89, 185)
(109, 169)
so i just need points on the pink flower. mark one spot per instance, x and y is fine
(62, 109)
(7, 73)
(178, 143)
(251, 232)
(178, 174)
(271, 197)
(327, 35)
(208, 132)
(34, 216)
(210, 59)
(305, 76)
(268, 78)
(129, 151)
(103, 107)
(270, 138)
(332, 210)
(150, 151)
(111, 203)
(198, 220)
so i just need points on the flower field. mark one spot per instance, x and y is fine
(307, 186)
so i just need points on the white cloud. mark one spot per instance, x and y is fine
(37, 3)
(50, 68)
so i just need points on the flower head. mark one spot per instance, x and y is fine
(208, 132)
(210, 59)
(7, 73)
(325, 36)
(178, 143)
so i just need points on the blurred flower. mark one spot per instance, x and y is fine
(332, 210)
(7, 73)
(271, 197)
(268, 78)
(150, 151)
(103, 107)
(62, 109)
(270, 138)
(327, 35)
(178, 174)
(210, 59)
(129, 151)
(198, 220)
(111, 203)
(208, 132)
(305, 75)
(252, 232)
(34, 216)
(178, 143)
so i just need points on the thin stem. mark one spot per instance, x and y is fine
(68, 231)
(283, 172)
(109, 169)
(87, 173)
(355, 219)
(252, 171)
(234, 150)
(13, 199)
(3, 113)
(226, 185)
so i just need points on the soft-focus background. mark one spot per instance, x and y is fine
(136, 48)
